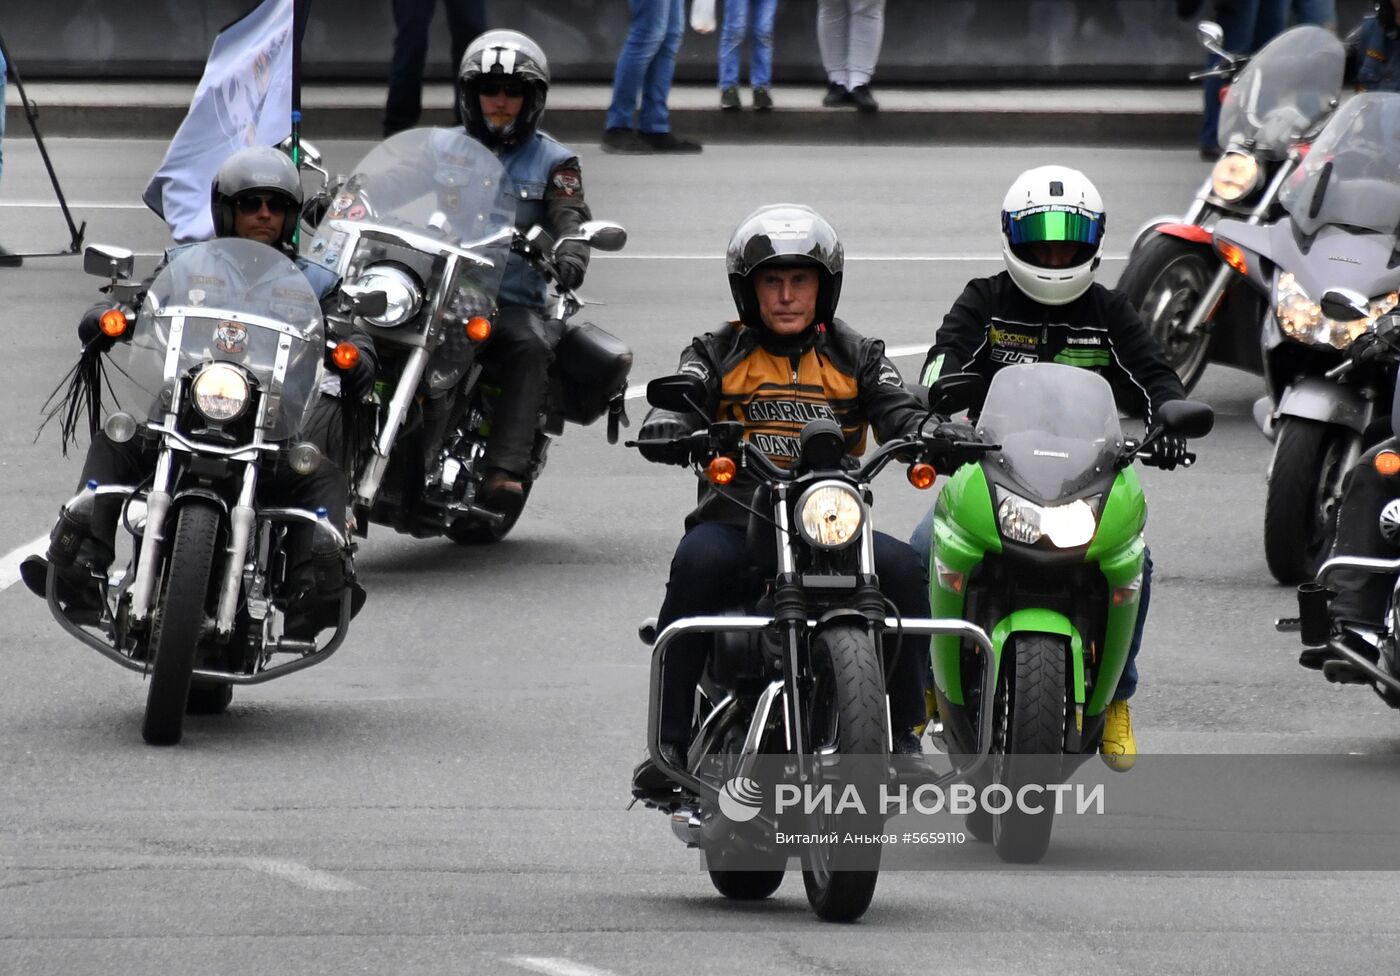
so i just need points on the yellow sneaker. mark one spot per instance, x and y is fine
(1118, 749)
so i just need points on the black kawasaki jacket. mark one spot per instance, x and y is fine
(775, 386)
(995, 324)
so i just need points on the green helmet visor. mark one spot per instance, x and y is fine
(1056, 223)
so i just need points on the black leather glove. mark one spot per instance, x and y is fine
(357, 382)
(669, 429)
(571, 265)
(90, 330)
(1365, 348)
(1169, 452)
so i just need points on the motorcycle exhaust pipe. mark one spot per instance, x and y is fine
(688, 826)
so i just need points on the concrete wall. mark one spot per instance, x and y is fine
(926, 41)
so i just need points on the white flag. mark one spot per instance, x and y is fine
(244, 99)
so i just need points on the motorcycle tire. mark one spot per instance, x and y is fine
(853, 666)
(1032, 739)
(470, 532)
(746, 885)
(1300, 517)
(1163, 281)
(179, 621)
(208, 699)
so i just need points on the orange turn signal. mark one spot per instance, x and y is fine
(922, 475)
(1233, 255)
(113, 322)
(478, 328)
(346, 355)
(721, 470)
(1388, 463)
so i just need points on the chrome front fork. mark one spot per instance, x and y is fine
(407, 387)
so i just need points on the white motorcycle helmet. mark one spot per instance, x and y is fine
(1052, 205)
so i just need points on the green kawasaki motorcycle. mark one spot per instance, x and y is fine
(1040, 543)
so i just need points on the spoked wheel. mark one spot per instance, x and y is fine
(848, 716)
(1300, 507)
(179, 622)
(1032, 737)
(1164, 281)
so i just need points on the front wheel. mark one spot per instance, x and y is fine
(1032, 737)
(179, 622)
(848, 717)
(1164, 280)
(1300, 507)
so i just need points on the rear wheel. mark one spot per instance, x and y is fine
(179, 622)
(1300, 507)
(471, 532)
(1032, 738)
(848, 705)
(1164, 281)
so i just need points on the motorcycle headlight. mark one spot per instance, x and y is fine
(1301, 318)
(1066, 526)
(830, 514)
(221, 393)
(402, 299)
(1234, 176)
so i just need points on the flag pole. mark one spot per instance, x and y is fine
(32, 115)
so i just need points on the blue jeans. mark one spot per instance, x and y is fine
(646, 65)
(1320, 12)
(737, 23)
(1248, 26)
(921, 541)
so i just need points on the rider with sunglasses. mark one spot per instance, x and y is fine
(502, 85)
(256, 195)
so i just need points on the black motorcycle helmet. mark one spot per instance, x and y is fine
(259, 168)
(502, 55)
(784, 235)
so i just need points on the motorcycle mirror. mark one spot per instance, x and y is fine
(1187, 418)
(956, 391)
(366, 301)
(108, 261)
(680, 392)
(310, 154)
(1344, 305)
(822, 444)
(1212, 37)
(601, 235)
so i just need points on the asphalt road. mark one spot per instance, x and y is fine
(447, 795)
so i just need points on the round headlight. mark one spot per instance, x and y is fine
(221, 392)
(1235, 174)
(402, 298)
(830, 514)
(120, 427)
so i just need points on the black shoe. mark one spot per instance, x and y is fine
(1210, 154)
(729, 99)
(649, 782)
(762, 100)
(864, 100)
(310, 614)
(666, 142)
(502, 491)
(836, 95)
(8, 260)
(1316, 658)
(625, 142)
(906, 743)
(78, 593)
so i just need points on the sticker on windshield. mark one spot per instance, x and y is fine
(230, 338)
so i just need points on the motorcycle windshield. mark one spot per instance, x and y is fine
(1351, 176)
(233, 301)
(438, 184)
(1287, 87)
(1057, 426)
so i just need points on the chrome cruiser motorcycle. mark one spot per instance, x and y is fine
(220, 371)
(795, 682)
(1329, 271)
(423, 227)
(1197, 310)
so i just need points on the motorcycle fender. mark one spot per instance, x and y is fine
(1152, 227)
(1037, 620)
(203, 494)
(1314, 398)
(964, 531)
(1187, 232)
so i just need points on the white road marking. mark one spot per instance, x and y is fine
(299, 874)
(9, 563)
(554, 966)
(72, 205)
